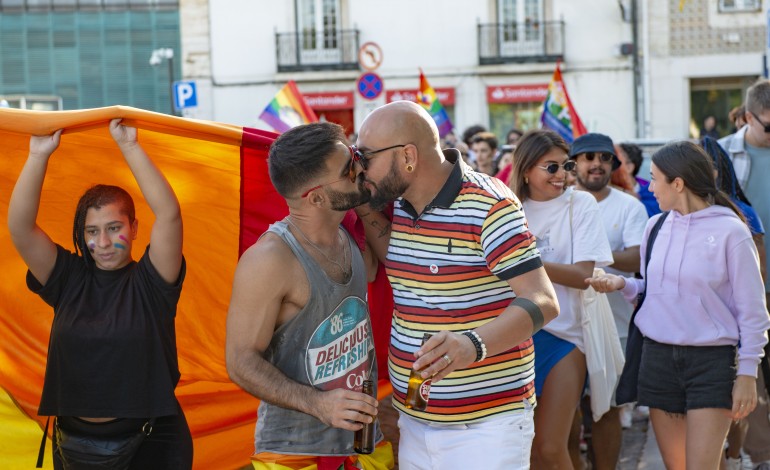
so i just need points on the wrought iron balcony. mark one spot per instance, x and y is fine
(317, 50)
(531, 41)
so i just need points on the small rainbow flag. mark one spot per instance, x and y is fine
(558, 113)
(288, 109)
(427, 98)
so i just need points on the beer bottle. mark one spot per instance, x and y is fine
(419, 388)
(363, 439)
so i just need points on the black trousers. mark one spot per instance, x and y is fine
(169, 445)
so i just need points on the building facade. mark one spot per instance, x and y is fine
(700, 60)
(490, 60)
(71, 54)
(634, 68)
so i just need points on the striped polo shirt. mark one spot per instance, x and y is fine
(448, 268)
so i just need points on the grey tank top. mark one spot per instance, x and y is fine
(327, 345)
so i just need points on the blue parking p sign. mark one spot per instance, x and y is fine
(185, 95)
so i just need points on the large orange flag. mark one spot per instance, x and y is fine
(219, 173)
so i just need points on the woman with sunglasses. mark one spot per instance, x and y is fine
(704, 317)
(571, 241)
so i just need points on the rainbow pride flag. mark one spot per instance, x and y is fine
(558, 113)
(427, 98)
(288, 109)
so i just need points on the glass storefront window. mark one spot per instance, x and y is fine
(504, 116)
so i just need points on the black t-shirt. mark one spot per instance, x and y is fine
(112, 350)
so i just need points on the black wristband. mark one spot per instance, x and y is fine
(481, 349)
(535, 314)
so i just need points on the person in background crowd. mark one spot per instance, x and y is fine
(749, 150)
(709, 128)
(727, 182)
(621, 180)
(504, 163)
(468, 134)
(513, 136)
(448, 141)
(470, 131)
(631, 159)
(624, 219)
(704, 304)
(463, 149)
(572, 241)
(484, 146)
(454, 227)
(737, 116)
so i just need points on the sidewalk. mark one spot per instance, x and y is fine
(651, 459)
(640, 450)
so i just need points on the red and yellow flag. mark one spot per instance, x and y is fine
(219, 173)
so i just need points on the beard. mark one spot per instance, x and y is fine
(388, 190)
(594, 185)
(342, 202)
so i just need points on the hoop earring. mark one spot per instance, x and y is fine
(409, 168)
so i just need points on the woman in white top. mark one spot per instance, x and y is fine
(572, 241)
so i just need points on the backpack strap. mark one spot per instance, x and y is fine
(647, 255)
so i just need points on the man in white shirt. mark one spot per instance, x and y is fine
(625, 219)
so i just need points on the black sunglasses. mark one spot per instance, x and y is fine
(604, 157)
(766, 126)
(553, 168)
(357, 156)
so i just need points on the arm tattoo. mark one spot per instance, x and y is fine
(384, 231)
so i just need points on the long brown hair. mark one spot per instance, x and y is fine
(690, 162)
(529, 149)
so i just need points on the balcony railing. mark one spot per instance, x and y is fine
(502, 43)
(317, 50)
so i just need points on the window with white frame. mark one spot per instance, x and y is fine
(729, 6)
(521, 28)
(319, 25)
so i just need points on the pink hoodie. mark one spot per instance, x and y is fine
(704, 286)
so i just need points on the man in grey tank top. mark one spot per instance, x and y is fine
(299, 336)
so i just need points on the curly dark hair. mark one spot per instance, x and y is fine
(96, 197)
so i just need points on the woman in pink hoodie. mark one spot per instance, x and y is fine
(704, 317)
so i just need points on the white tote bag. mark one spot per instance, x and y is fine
(604, 355)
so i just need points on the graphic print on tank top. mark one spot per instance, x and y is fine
(340, 352)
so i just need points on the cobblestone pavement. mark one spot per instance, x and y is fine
(631, 451)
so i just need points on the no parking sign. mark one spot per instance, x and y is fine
(369, 85)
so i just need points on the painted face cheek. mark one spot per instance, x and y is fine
(91, 245)
(121, 246)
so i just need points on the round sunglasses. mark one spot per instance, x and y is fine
(553, 168)
(604, 157)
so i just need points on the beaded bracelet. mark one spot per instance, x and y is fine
(481, 348)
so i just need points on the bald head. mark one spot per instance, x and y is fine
(400, 122)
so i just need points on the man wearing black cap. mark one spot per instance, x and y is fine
(625, 219)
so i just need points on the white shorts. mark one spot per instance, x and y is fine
(502, 442)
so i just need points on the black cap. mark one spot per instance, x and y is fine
(594, 142)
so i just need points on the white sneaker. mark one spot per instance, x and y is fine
(626, 417)
(733, 464)
(746, 463)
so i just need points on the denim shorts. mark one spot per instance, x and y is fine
(677, 379)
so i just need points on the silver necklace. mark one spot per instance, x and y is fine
(344, 248)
